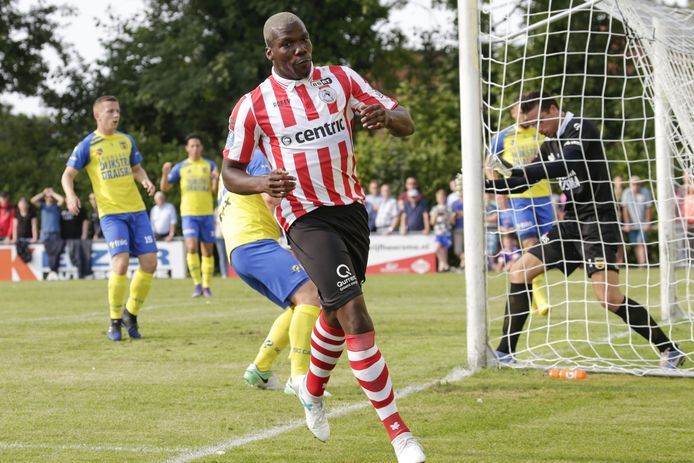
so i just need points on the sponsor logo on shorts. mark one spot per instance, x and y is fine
(544, 239)
(348, 279)
(598, 263)
(117, 242)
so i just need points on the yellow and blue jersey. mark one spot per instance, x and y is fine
(246, 218)
(108, 160)
(518, 146)
(195, 178)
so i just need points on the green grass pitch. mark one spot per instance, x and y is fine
(70, 395)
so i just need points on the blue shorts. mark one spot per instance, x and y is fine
(532, 217)
(637, 236)
(444, 241)
(130, 232)
(269, 269)
(198, 226)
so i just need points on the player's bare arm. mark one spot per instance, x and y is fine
(141, 177)
(68, 183)
(214, 179)
(164, 184)
(277, 184)
(398, 121)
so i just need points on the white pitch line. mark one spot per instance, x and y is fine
(456, 374)
(90, 448)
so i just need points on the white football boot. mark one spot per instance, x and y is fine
(314, 408)
(408, 449)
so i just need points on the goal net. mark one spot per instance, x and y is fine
(627, 65)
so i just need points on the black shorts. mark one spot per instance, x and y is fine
(569, 245)
(332, 244)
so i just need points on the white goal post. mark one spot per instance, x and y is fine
(627, 65)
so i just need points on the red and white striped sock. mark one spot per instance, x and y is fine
(327, 344)
(370, 369)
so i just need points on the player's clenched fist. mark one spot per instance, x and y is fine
(166, 168)
(279, 183)
(373, 116)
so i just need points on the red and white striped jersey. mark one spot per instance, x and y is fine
(305, 127)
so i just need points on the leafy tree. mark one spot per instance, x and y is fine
(31, 162)
(429, 88)
(184, 66)
(23, 38)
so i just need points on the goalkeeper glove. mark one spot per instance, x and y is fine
(499, 165)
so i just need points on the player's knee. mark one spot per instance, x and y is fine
(354, 318)
(119, 263)
(307, 294)
(519, 273)
(148, 263)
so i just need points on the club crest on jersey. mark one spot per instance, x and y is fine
(327, 95)
(321, 82)
(99, 151)
(123, 145)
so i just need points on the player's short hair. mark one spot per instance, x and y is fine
(530, 100)
(277, 21)
(193, 136)
(103, 98)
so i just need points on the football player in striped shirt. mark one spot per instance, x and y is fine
(301, 118)
(113, 164)
(251, 234)
(198, 179)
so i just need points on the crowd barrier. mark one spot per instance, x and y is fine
(171, 257)
(388, 254)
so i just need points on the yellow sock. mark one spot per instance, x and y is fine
(194, 267)
(300, 329)
(207, 270)
(277, 339)
(540, 295)
(139, 289)
(116, 294)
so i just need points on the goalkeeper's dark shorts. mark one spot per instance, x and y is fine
(332, 244)
(569, 245)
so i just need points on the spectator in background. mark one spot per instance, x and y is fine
(6, 217)
(74, 230)
(163, 217)
(636, 212)
(26, 225)
(410, 185)
(618, 188)
(94, 223)
(220, 245)
(509, 253)
(388, 216)
(442, 219)
(688, 217)
(373, 203)
(25, 230)
(415, 214)
(454, 201)
(49, 202)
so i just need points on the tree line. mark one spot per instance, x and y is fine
(181, 65)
